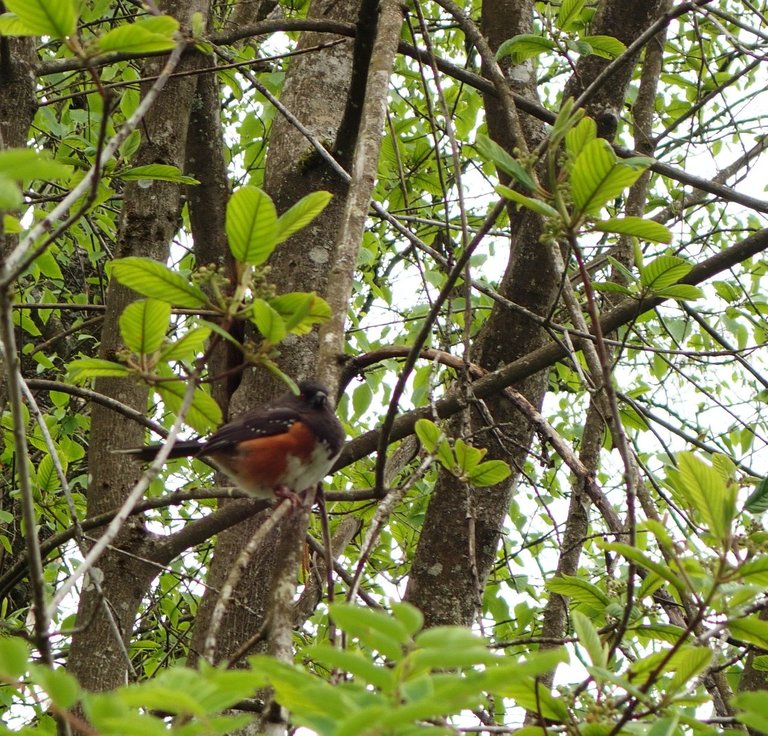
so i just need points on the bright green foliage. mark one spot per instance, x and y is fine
(758, 499)
(23, 164)
(300, 311)
(301, 214)
(525, 46)
(597, 177)
(752, 710)
(147, 35)
(254, 231)
(251, 226)
(155, 280)
(492, 151)
(428, 674)
(157, 172)
(14, 655)
(590, 639)
(659, 277)
(204, 415)
(461, 459)
(39, 18)
(570, 22)
(536, 205)
(143, 325)
(708, 493)
(637, 226)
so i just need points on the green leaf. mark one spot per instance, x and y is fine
(355, 663)
(25, 164)
(579, 590)
(251, 225)
(221, 332)
(753, 710)
(143, 325)
(708, 493)
(410, 616)
(14, 657)
(12, 25)
(663, 271)
(567, 118)
(660, 632)
(10, 194)
(597, 177)
(751, 630)
(606, 47)
(467, 457)
(375, 629)
(589, 639)
(726, 291)
(492, 151)
(664, 726)
(489, 473)
(156, 281)
(268, 321)
(47, 477)
(11, 225)
(203, 416)
(429, 434)
(427, 698)
(435, 443)
(661, 533)
(155, 695)
(45, 18)
(681, 292)
(145, 36)
(188, 346)
(569, 13)
(610, 286)
(689, 662)
(536, 205)
(754, 572)
(637, 226)
(524, 46)
(448, 636)
(301, 310)
(354, 722)
(158, 172)
(579, 136)
(535, 697)
(85, 368)
(48, 264)
(301, 214)
(61, 687)
(362, 397)
(757, 502)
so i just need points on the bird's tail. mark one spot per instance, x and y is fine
(182, 448)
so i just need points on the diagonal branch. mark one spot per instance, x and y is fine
(548, 354)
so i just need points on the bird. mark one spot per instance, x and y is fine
(275, 451)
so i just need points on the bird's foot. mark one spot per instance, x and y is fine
(283, 493)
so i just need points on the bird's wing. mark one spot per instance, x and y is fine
(260, 423)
